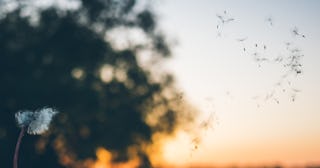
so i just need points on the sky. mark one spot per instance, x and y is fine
(219, 75)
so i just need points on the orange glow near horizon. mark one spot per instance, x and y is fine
(104, 160)
(178, 151)
(266, 153)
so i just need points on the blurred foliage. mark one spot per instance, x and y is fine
(59, 58)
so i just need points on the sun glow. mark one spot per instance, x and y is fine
(104, 160)
(178, 150)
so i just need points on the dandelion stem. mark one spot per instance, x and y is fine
(16, 153)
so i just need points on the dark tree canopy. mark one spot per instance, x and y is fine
(59, 61)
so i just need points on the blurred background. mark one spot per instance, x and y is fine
(162, 83)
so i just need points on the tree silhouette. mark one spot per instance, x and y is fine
(59, 60)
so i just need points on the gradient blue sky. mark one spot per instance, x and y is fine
(219, 77)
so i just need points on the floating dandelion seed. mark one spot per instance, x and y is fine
(36, 122)
(222, 20)
(242, 39)
(296, 32)
(270, 20)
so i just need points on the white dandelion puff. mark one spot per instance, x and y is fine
(35, 122)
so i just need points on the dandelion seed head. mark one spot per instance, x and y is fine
(36, 122)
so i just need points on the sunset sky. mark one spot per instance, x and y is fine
(220, 78)
(250, 68)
